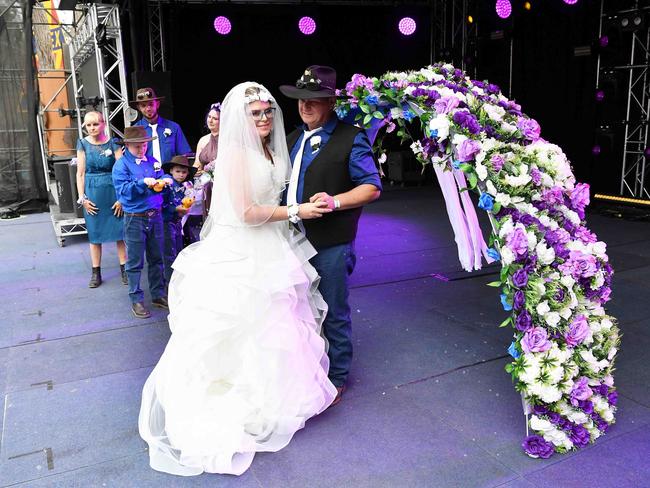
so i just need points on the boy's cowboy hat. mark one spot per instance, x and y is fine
(137, 133)
(180, 161)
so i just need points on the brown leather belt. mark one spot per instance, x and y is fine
(147, 213)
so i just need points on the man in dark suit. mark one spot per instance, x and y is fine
(332, 162)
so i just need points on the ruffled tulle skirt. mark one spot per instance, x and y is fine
(246, 365)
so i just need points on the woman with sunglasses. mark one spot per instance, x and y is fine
(246, 365)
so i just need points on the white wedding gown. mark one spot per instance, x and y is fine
(246, 365)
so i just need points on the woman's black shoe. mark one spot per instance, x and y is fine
(96, 278)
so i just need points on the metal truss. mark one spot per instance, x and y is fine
(98, 34)
(156, 36)
(634, 180)
(452, 36)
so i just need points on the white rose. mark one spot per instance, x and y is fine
(577, 417)
(543, 308)
(532, 240)
(507, 256)
(612, 352)
(458, 139)
(509, 128)
(516, 181)
(491, 189)
(555, 374)
(506, 227)
(545, 255)
(481, 171)
(396, 113)
(489, 144)
(552, 318)
(599, 279)
(568, 281)
(410, 89)
(495, 112)
(539, 288)
(503, 199)
(565, 313)
(606, 324)
(598, 249)
(440, 124)
(540, 424)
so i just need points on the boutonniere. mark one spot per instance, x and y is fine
(167, 132)
(157, 165)
(315, 143)
(107, 152)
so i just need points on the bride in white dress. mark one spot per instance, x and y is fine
(246, 365)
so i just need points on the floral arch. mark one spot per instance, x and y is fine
(555, 275)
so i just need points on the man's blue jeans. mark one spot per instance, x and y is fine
(144, 235)
(335, 265)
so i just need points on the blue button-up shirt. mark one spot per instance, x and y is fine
(361, 162)
(172, 197)
(171, 144)
(128, 179)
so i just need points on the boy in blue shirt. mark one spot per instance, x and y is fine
(136, 178)
(180, 171)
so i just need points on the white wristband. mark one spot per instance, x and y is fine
(337, 204)
(81, 200)
(292, 212)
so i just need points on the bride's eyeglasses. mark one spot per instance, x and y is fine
(269, 113)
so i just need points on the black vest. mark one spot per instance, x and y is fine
(330, 172)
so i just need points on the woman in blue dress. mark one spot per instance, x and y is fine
(96, 155)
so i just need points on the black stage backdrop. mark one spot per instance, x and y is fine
(553, 85)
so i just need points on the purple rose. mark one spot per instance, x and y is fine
(579, 436)
(497, 162)
(602, 390)
(540, 410)
(580, 265)
(529, 128)
(524, 321)
(519, 300)
(585, 235)
(578, 331)
(535, 340)
(580, 391)
(535, 446)
(520, 278)
(586, 406)
(553, 195)
(612, 398)
(553, 417)
(468, 149)
(517, 241)
(580, 198)
(445, 105)
(605, 292)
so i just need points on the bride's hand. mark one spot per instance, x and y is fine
(313, 210)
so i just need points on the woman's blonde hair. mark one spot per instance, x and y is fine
(93, 114)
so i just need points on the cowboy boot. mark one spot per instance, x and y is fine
(96, 278)
(125, 279)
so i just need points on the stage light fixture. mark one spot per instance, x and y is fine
(470, 19)
(307, 25)
(631, 21)
(407, 26)
(528, 6)
(600, 95)
(222, 25)
(646, 152)
(503, 8)
(570, 2)
(595, 151)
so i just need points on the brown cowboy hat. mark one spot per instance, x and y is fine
(180, 161)
(145, 95)
(137, 133)
(316, 82)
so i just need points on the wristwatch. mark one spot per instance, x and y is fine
(292, 211)
(81, 200)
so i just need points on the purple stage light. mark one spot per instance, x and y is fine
(603, 41)
(595, 150)
(222, 25)
(307, 25)
(570, 2)
(503, 8)
(407, 26)
(646, 153)
(600, 95)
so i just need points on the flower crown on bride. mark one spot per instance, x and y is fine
(255, 93)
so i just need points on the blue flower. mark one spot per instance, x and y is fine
(408, 115)
(433, 133)
(512, 350)
(455, 164)
(341, 111)
(504, 301)
(486, 202)
(493, 253)
(372, 99)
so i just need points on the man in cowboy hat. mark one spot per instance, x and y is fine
(332, 162)
(170, 139)
(180, 171)
(136, 179)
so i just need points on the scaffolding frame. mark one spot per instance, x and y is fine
(634, 169)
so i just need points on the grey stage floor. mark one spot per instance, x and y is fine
(428, 405)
